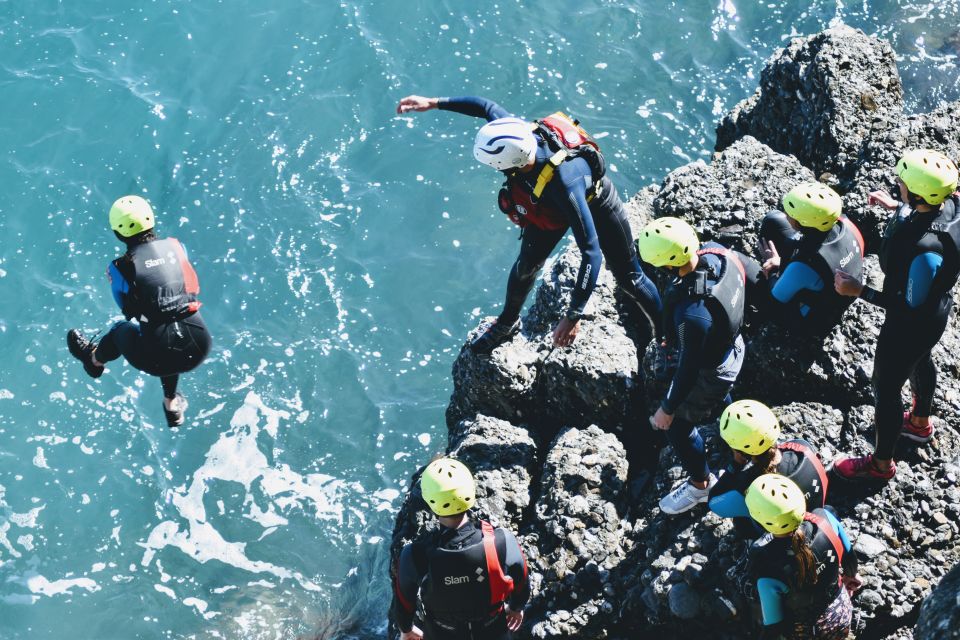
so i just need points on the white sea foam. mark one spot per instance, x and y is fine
(236, 457)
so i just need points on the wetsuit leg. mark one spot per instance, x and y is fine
(123, 338)
(159, 349)
(923, 384)
(620, 253)
(688, 445)
(535, 248)
(902, 347)
(775, 227)
(169, 384)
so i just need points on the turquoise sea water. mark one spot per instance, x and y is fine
(343, 253)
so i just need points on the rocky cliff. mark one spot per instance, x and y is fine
(560, 441)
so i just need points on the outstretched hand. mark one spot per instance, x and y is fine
(416, 103)
(881, 198)
(565, 332)
(771, 264)
(514, 619)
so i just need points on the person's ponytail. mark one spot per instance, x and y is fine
(806, 562)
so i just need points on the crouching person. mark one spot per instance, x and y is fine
(469, 577)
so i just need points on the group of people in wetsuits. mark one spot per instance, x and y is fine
(468, 579)
(471, 577)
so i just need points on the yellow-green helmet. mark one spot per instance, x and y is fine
(131, 215)
(776, 502)
(928, 174)
(813, 205)
(447, 487)
(667, 242)
(749, 426)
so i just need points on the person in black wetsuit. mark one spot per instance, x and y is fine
(555, 180)
(154, 285)
(919, 257)
(470, 577)
(703, 311)
(804, 568)
(814, 240)
(751, 430)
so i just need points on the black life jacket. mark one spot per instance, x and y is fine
(806, 603)
(724, 291)
(163, 284)
(520, 196)
(468, 584)
(841, 248)
(809, 475)
(897, 251)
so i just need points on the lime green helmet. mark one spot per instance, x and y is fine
(131, 215)
(749, 426)
(776, 502)
(668, 242)
(447, 487)
(928, 174)
(813, 205)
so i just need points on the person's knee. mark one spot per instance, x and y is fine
(525, 270)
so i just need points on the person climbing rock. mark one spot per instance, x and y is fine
(555, 180)
(156, 288)
(919, 258)
(470, 577)
(703, 314)
(752, 431)
(803, 567)
(801, 250)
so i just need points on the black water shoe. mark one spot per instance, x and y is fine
(495, 335)
(83, 349)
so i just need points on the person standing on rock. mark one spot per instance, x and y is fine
(920, 258)
(555, 180)
(703, 314)
(802, 249)
(156, 289)
(470, 577)
(804, 567)
(751, 430)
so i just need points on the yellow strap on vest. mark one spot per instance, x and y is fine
(546, 174)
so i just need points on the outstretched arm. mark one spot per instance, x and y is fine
(468, 105)
(405, 589)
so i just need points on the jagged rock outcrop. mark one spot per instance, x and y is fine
(726, 199)
(546, 431)
(940, 613)
(820, 99)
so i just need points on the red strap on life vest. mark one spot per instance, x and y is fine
(501, 586)
(807, 453)
(190, 280)
(832, 536)
(852, 228)
(726, 253)
(408, 606)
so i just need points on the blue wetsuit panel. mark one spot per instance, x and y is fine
(729, 505)
(795, 278)
(923, 270)
(474, 106)
(771, 593)
(693, 322)
(119, 286)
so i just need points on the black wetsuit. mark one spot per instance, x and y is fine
(447, 571)
(156, 285)
(600, 228)
(921, 267)
(801, 296)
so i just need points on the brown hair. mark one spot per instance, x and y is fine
(806, 562)
(765, 460)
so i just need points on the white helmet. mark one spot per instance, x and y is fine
(506, 143)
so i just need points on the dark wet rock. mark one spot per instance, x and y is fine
(820, 99)
(726, 199)
(940, 613)
(583, 536)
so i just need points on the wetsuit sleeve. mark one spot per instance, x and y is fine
(516, 568)
(772, 593)
(406, 582)
(923, 270)
(693, 327)
(730, 504)
(794, 279)
(473, 106)
(575, 178)
(120, 288)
